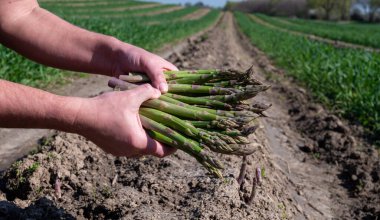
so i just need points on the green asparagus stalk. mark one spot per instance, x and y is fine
(184, 143)
(215, 144)
(199, 89)
(199, 101)
(170, 142)
(221, 124)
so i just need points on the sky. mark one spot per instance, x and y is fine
(213, 3)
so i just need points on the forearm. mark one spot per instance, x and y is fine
(26, 107)
(47, 39)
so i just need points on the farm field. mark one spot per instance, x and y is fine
(148, 32)
(361, 34)
(345, 79)
(314, 159)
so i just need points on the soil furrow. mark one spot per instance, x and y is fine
(197, 14)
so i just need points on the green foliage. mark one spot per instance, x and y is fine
(345, 79)
(362, 34)
(150, 37)
(32, 168)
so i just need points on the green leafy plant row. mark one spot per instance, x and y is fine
(77, 6)
(362, 34)
(126, 12)
(346, 79)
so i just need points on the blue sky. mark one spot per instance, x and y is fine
(214, 3)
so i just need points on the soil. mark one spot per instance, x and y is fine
(335, 43)
(316, 165)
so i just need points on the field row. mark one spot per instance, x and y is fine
(361, 34)
(345, 79)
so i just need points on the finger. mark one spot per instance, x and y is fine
(157, 149)
(144, 92)
(158, 79)
(169, 66)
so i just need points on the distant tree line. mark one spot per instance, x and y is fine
(316, 9)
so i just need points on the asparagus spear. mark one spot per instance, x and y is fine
(199, 101)
(170, 142)
(212, 142)
(183, 143)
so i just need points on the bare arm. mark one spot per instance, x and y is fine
(111, 120)
(45, 38)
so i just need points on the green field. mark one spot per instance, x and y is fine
(344, 79)
(148, 32)
(361, 34)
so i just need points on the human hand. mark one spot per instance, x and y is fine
(133, 59)
(112, 122)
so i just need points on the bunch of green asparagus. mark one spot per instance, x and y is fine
(203, 113)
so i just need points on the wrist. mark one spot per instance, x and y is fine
(65, 113)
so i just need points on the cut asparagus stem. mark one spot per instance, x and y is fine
(170, 142)
(199, 101)
(184, 143)
(212, 142)
(199, 89)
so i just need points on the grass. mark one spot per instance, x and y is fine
(123, 13)
(347, 80)
(134, 30)
(88, 5)
(361, 34)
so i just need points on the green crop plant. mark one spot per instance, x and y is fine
(361, 34)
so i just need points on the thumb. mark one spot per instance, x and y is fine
(144, 92)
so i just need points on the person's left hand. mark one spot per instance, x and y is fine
(134, 59)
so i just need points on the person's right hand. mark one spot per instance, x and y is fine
(130, 58)
(112, 122)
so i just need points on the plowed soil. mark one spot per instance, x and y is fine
(316, 165)
(197, 14)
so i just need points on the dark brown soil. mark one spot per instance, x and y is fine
(315, 167)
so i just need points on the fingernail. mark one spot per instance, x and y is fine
(163, 87)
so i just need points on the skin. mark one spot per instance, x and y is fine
(110, 120)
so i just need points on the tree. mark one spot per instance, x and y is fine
(344, 8)
(328, 6)
(375, 6)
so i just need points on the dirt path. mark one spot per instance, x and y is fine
(335, 43)
(296, 185)
(197, 14)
